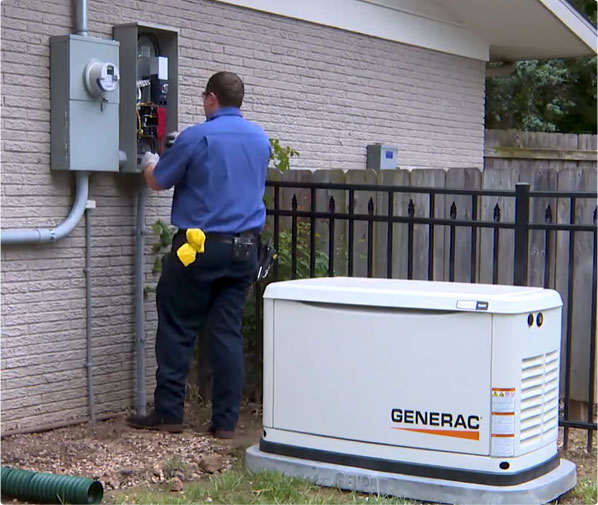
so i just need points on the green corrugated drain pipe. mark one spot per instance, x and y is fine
(40, 487)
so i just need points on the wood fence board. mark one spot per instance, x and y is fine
(540, 180)
(362, 199)
(340, 226)
(303, 203)
(497, 178)
(543, 150)
(463, 178)
(435, 178)
(576, 180)
(400, 202)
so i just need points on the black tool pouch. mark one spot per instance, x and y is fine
(242, 247)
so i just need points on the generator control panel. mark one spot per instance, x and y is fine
(149, 89)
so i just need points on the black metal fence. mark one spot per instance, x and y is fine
(297, 235)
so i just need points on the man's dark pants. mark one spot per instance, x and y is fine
(209, 293)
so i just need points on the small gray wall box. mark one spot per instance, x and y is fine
(381, 157)
(84, 83)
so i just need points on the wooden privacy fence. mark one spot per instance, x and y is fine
(509, 149)
(457, 225)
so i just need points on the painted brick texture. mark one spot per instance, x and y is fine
(326, 92)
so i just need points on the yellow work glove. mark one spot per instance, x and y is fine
(196, 239)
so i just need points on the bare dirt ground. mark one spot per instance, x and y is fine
(122, 457)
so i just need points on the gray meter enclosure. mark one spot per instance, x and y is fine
(166, 46)
(84, 129)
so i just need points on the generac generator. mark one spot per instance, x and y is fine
(436, 391)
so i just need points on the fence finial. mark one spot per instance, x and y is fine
(453, 211)
(496, 214)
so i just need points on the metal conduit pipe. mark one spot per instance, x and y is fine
(88, 317)
(139, 304)
(81, 17)
(42, 235)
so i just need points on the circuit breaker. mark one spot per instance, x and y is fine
(84, 94)
(149, 89)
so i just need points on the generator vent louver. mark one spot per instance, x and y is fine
(539, 400)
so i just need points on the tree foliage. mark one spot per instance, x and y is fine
(556, 95)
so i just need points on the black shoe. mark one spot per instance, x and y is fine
(218, 433)
(155, 422)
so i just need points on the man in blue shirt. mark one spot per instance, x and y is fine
(218, 170)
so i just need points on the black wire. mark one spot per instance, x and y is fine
(153, 39)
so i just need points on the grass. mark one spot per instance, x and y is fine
(586, 491)
(241, 487)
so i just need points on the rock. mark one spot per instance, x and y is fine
(176, 485)
(211, 463)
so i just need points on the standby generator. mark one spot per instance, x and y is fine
(429, 390)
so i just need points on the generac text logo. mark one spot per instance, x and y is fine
(451, 425)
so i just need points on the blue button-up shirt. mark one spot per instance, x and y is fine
(218, 170)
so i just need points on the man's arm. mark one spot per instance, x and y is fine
(150, 180)
(148, 163)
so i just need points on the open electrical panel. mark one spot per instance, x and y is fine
(149, 89)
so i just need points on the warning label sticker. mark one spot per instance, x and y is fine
(503, 400)
(503, 424)
(503, 445)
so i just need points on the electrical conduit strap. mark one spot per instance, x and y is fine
(196, 240)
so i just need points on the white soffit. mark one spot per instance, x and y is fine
(498, 30)
(527, 29)
(431, 26)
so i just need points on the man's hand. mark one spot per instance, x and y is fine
(149, 158)
(148, 163)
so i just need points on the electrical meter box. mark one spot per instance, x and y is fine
(149, 89)
(381, 157)
(84, 93)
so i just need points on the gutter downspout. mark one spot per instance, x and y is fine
(139, 302)
(42, 235)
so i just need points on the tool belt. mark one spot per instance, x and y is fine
(248, 238)
(243, 244)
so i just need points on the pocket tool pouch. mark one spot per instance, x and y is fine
(242, 247)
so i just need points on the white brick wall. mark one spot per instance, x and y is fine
(326, 92)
